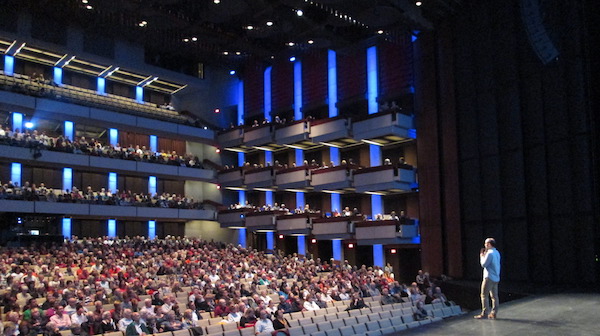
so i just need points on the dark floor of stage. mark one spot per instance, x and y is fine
(551, 314)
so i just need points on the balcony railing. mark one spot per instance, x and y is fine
(334, 227)
(333, 178)
(386, 178)
(385, 232)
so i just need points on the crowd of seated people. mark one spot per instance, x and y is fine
(313, 165)
(31, 192)
(98, 285)
(38, 141)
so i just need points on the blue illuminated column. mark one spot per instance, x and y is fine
(69, 130)
(154, 143)
(139, 94)
(101, 85)
(376, 200)
(67, 179)
(268, 194)
(112, 182)
(241, 159)
(152, 185)
(113, 136)
(66, 228)
(334, 155)
(300, 200)
(376, 205)
(302, 245)
(297, 90)
(336, 203)
(9, 65)
(332, 83)
(242, 237)
(112, 228)
(378, 255)
(241, 193)
(151, 229)
(58, 75)
(17, 121)
(240, 104)
(268, 158)
(299, 157)
(15, 173)
(337, 249)
(372, 80)
(270, 241)
(267, 89)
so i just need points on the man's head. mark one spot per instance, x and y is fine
(490, 243)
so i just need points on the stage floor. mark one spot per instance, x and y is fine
(552, 314)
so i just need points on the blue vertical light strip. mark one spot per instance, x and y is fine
(240, 104)
(67, 225)
(139, 94)
(269, 197)
(336, 245)
(302, 245)
(112, 182)
(336, 204)
(58, 75)
(299, 157)
(9, 65)
(375, 155)
(101, 85)
(151, 229)
(267, 90)
(270, 241)
(376, 205)
(378, 256)
(112, 228)
(241, 159)
(152, 185)
(113, 136)
(17, 121)
(154, 143)
(300, 200)
(242, 197)
(69, 130)
(67, 179)
(242, 237)
(332, 83)
(297, 90)
(334, 155)
(372, 80)
(268, 158)
(15, 173)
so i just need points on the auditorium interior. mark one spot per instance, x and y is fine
(394, 134)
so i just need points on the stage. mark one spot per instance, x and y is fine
(546, 314)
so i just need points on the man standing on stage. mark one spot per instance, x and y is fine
(490, 261)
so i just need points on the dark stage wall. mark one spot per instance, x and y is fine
(506, 147)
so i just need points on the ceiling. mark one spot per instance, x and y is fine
(229, 32)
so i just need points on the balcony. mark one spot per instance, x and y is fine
(384, 179)
(263, 221)
(334, 227)
(295, 135)
(386, 232)
(233, 218)
(261, 137)
(102, 164)
(233, 177)
(259, 177)
(384, 128)
(297, 224)
(293, 178)
(232, 139)
(335, 132)
(333, 179)
(104, 211)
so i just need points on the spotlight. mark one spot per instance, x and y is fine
(350, 246)
(291, 44)
(218, 150)
(418, 3)
(311, 41)
(238, 52)
(380, 32)
(280, 236)
(216, 2)
(393, 251)
(250, 27)
(232, 72)
(186, 40)
(84, 1)
(218, 187)
(89, 7)
(225, 52)
(269, 23)
(292, 59)
(217, 110)
(299, 12)
(194, 39)
(314, 241)
(29, 125)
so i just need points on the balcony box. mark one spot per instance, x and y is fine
(293, 178)
(195, 173)
(334, 227)
(113, 164)
(196, 214)
(112, 210)
(330, 130)
(258, 136)
(259, 177)
(233, 177)
(333, 178)
(263, 220)
(158, 169)
(296, 224)
(157, 213)
(384, 178)
(17, 206)
(233, 218)
(290, 134)
(385, 232)
(231, 138)
(62, 208)
(384, 128)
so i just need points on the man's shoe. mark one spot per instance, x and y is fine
(480, 317)
(492, 316)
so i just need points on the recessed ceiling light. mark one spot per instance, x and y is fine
(380, 32)
(84, 1)
(186, 40)
(225, 52)
(238, 52)
(232, 72)
(299, 12)
(311, 41)
(89, 7)
(291, 44)
(269, 23)
(217, 1)
(250, 27)
(194, 39)
(292, 59)
(418, 3)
